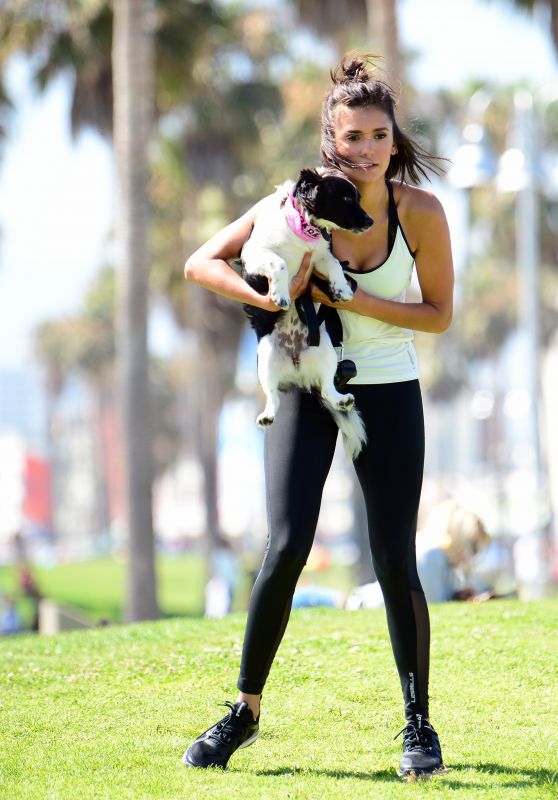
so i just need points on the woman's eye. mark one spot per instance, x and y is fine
(353, 137)
(380, 136)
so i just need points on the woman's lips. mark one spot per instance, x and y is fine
(365, 167)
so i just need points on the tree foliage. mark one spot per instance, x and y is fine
(84, 344)
(237, 113)
(550, 5)
(75, 37)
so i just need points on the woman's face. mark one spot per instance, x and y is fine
(364, 136)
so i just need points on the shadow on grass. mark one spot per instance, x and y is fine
(372, 775)
(453, 779)
(518, 775)
(188, 614)
(113, 615)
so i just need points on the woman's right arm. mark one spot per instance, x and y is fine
(208, 266)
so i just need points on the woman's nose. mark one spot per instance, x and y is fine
(367, 146)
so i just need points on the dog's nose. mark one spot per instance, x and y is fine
(366, 222)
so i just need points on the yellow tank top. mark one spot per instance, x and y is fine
(383, 353)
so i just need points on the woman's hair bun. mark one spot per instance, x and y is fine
(353, 69)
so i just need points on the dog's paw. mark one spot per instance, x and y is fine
(264, 420)
(347, 403)
(281, 300)
(341, 293)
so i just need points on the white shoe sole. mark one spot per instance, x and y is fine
(414, 775)
(249, 741)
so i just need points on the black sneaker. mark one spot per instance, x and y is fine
(422, 754)
(217, 744)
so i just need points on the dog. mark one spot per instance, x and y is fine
(289, 223)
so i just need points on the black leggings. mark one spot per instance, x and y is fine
(298, 454)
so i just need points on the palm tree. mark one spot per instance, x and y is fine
(133, 85)
(551, 5)
(344, 20)
(78, 37)
(81, 345)
(195, 45)
(384, 31)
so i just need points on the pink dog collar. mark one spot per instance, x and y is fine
(298, 224)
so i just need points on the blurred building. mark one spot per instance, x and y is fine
(25, 501)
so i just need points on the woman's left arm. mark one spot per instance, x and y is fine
(435, 274)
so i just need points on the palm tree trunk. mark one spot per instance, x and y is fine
(383, 33)
(209, 401)
(97, 398)
(133, 111)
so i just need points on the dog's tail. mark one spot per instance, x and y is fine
(352, 429)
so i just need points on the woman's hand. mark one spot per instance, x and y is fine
(297, 285)
(320, 297)
(300, 281)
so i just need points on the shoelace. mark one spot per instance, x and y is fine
(230, 726)
(417, 735)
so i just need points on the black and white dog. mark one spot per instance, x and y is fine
(288, 224)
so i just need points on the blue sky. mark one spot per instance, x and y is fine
(57, 197)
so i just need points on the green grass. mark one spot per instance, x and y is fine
(107, 713)
(97, 587)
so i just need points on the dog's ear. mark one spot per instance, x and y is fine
(306, 185)
(307, 179)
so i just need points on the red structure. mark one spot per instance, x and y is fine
(37, 498)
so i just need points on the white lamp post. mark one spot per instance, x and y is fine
(517, 172)
(474, 166)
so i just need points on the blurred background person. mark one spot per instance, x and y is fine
(456, 559)
(447, 547)
(19, 548)
(221, 587)
(29, 588)
(9, 618)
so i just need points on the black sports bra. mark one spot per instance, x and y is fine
(393, 225)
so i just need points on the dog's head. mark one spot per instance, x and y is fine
(330, 200)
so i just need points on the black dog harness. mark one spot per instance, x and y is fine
(304, 304)
(313, 319)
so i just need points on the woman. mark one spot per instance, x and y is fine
(361, 137)
(447, 546)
